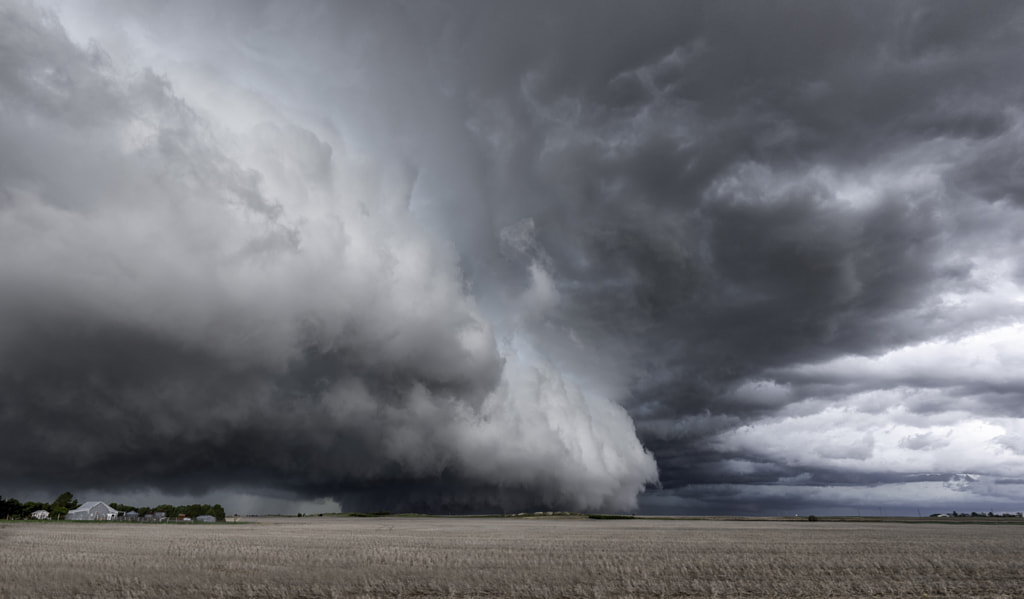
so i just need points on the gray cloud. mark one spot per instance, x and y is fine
(187, 305)
(747, 225)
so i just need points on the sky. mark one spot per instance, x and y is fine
(454, 256)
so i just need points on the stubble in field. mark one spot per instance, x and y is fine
(474, 557)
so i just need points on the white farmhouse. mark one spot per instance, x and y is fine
(41, 515)
(93, 510)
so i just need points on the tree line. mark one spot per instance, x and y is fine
(955, 514)
(173, 511)
(11, 508)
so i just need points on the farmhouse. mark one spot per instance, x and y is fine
(93, 510)
(41, 515)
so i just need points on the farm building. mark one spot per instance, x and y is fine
(93, 510)
(40, 515)
(205, 519)
(132, 515)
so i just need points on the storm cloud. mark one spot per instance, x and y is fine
(750, 258)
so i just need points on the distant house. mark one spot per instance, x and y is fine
(205, 519)
(132, 515)
(160, 516)
(93, 510)
(40, 515)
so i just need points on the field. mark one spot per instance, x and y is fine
(510, 557)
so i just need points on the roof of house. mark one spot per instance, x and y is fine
(89, 505)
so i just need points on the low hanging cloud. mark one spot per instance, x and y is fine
(496, 255)
(188, 305)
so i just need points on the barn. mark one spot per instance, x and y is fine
(93, 510)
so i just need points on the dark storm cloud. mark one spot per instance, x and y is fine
(759, 187)
(189, 304)
(784, 236)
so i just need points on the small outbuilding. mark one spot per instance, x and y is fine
(40, 515)
(205, 519)
(93, 510)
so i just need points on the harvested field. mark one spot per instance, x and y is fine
(494, 557)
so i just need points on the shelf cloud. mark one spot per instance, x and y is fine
(717, 258)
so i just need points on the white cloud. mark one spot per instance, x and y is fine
(845, 438)
(992, 357)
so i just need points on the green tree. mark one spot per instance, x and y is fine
(218, 513)
(191, 511)
(10, 508)
(65, 500)
(30, 506)
(170, 510)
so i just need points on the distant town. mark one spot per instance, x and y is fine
(979, 515)
(66, 507)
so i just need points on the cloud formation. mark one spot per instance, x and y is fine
(488, 256)
(187, 303)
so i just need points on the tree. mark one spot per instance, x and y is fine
(10, 508)
(192, 511)
(169, 510)
(65, 500)
(31, 506)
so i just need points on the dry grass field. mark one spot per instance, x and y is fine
(493, 557)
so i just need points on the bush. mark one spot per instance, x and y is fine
(812, 518)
